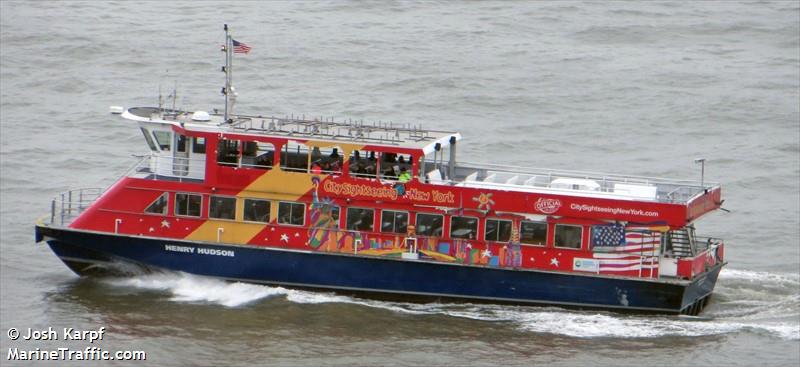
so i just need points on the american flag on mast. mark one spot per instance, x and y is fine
(240, 47)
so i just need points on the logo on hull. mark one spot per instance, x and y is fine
(548, 206)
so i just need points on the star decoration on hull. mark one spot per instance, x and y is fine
(554, 261)
(164, 224)
(285, 238)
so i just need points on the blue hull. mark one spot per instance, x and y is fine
(86, 252)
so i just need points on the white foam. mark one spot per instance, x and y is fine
(191, 288)
(744, 307)
(791, 279)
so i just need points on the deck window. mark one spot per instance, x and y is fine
(394, 222)
(329, 160)
(363, 164)
(149, 139)
(256, 210)
(222, 207)
(257, 154)
(294, 157)
(159, 205)
(463, 227)
(430, 225)
(199, 145)
(568, 236)
(228, 152)
(533, 233)
(497, 230)
(188, 204)
(164, 138)
(359, 219)
(291, 213)
(393, 163)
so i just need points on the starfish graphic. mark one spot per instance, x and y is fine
(554, 261)
(484, 201)
(164, 223)
(486, 253)
(285, 238)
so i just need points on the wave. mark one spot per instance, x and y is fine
(776, 316)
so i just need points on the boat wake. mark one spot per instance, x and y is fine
(744, 301)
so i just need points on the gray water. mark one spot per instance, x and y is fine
(624, 87)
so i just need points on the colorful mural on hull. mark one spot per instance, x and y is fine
(325, 235)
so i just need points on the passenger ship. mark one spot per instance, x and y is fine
(384, 210)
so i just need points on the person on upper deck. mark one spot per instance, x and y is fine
(405, 176)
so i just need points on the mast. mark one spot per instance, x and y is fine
(228, 49)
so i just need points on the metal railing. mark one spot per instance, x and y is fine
(666, 189)
(68, 205)
(174, 168)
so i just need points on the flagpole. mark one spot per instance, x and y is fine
(228, 74)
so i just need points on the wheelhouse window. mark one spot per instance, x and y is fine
(188, 204)
(463, 227)
(149, 139)
(222, 207)
(228, 152)
(199, 145)
(498, 230)
(294, 157)
(257, 154)
(359, 219)
(159, 205)
(568, 236)
(533, 233)
(163, 138)
(180, 143)
(291, 213)
(256, 210)
(394, 222)
(363, 164)
(328, 160)
(430, 224)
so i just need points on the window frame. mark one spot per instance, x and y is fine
(150, 142)
(546, 233)
(196, 145)
(394, 221)
(166, 206)
(486, 229)
(555, 233)
(188, 194)
(347, 219)
(450, 227)
(416, 225)
(244, 210)
(211, 202)
(290, 213)
(158, 142)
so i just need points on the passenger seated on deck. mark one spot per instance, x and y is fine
(315, 168)
(356, 157)
(401, 160)
(404, 175)
(334, 154)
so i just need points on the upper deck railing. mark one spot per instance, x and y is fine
(578, 183)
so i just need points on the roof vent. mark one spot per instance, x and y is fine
(201, 116)
(117, 110)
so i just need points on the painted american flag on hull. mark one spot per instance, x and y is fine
(622, 249)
